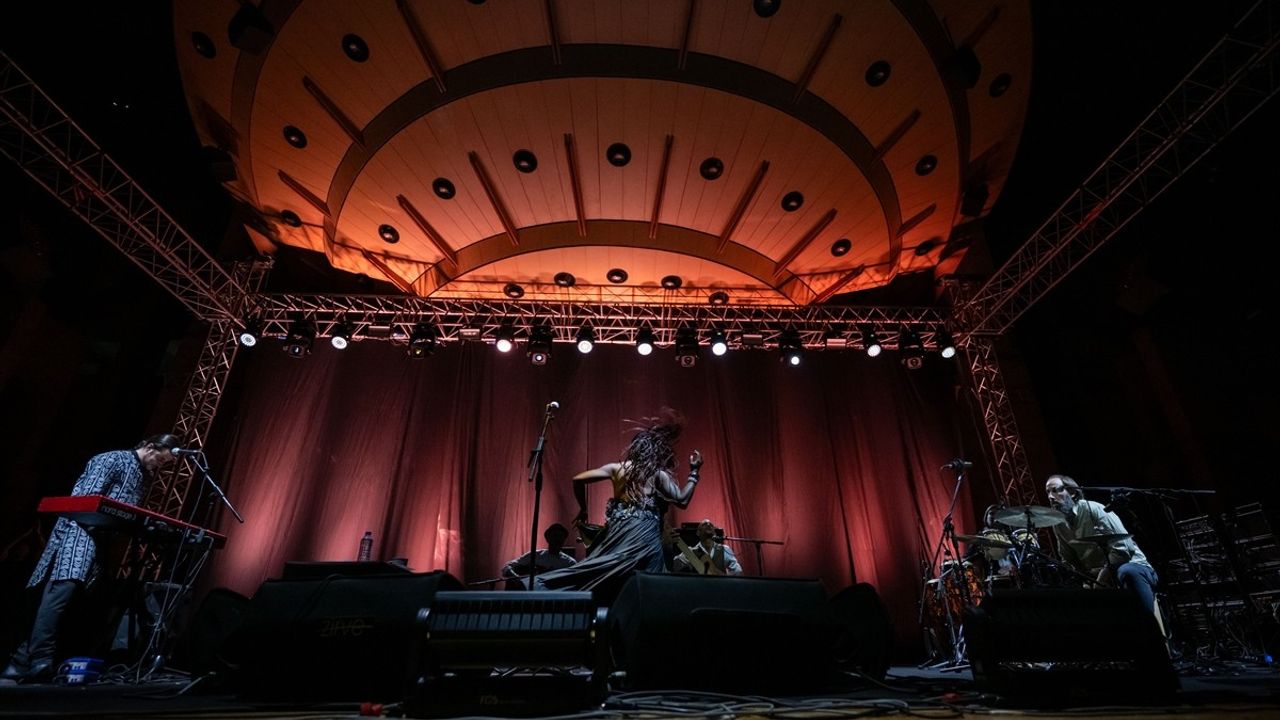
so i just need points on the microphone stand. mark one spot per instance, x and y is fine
(535, 477)
(958, 660)
(757, 542)
(199, 461)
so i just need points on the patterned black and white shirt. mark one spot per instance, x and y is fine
(71, 553)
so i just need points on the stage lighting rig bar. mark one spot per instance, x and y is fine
(380, 317)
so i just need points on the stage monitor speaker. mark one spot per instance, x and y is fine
(309, 570)
(729, 634)
(548, 644)
(485, 629)
(337, 638)
(213, 642)
(865, 640)
(1068, 646)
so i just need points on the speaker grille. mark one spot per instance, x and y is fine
(489, 629)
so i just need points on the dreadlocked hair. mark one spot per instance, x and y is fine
(651, 450)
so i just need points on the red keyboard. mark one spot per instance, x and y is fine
(100, 511)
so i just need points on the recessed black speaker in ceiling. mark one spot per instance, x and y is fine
(618, 154)
(355, 47)
(443, 188)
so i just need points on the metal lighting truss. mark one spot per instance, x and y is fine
(388, 317)
(1236, 77)
(41, 140)
(169, 495)
(1225, 88)
(1010, 466)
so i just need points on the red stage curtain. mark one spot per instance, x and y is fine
(838, 458)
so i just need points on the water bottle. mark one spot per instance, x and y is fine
(366, 547)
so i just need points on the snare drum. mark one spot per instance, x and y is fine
(947, 592)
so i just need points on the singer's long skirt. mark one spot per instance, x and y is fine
(632, 543)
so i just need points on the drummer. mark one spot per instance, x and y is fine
(1121, 564)
(993, 550)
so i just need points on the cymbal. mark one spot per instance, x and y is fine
(1037, 516)
(982, 541)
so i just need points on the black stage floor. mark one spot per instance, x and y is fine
(1235, 691)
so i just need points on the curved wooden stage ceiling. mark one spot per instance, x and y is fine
(778, 151)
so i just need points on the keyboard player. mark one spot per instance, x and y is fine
(70, 564)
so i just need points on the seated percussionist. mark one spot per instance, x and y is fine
(552, 558)
(1122, 564)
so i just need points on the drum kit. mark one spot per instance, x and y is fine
(1004, 555)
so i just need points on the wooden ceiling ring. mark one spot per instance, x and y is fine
(925, 23)
(937, 41)
(625, 233)
(532, 65)
(244, 86)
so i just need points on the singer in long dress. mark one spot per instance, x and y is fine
(643, 488)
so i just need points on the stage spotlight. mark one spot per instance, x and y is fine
(870, 342)
(423, 339)
(505, 339)
(751, 337)
(298, 342)
(946, 346)
(644, 341)
(719, 343)
(687, 347)
(340, 336)
(250, 333)
(790, 347)
(586, 339)
(911, 348)
(540, 344)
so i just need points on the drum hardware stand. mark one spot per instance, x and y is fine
(948, 546)
(1030, 552)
